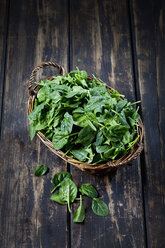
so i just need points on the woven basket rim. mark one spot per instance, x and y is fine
(89, 167)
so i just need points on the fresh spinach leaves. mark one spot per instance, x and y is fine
(88, 190)
(99, 207)
(40, 170)
(83, 118)
(79, 214)
(68, 192)
(59, 178)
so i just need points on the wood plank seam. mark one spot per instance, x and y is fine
(4, 65)
(137, 96)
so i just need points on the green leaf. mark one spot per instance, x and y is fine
(131, 144)
(36, 112)
(67, 123)
(41, 95)
(41, 170)
(99, 138)
(57, 197)
(79, 214)
(76, 90)
(68, 191)
(88, 190)
(121, 104)
(99, 207)
(127, 137)
(101, 149)
(41, 125)
(60, 139)
(86, 136)
(59, 178)
(96, 103)
(90, 155)
(80, 154)
(32, 131)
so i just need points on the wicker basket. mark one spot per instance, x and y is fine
(89, 168)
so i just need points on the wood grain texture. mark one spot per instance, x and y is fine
(149, 40)
(100, 40)
(37, 32)
(4, 5)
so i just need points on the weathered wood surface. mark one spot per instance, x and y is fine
(4, 5)
(37, 32)
(122, 42)
(148, 21)
(101, 40)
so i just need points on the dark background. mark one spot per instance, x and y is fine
(123, 43)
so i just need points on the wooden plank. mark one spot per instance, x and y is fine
(37, 32)
(100, 39)
(4, 5)
(149, 34)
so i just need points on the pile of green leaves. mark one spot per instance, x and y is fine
(68, 192)
(84, 119)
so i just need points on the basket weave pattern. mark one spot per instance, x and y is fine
(90, 168)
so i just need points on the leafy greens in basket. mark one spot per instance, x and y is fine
(83, 118)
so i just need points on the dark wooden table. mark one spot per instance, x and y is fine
(123, 43)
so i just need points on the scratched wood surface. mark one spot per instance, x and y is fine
(148, 19)
(3, 38)
(102, 41)
(37, 32)
(121, 42)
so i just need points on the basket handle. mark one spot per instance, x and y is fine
(43, 64)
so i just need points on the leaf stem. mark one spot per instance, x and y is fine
(53, 190)
(115, 112)
(135, 102)
(80, 200)
(69, 207)
(72, 134)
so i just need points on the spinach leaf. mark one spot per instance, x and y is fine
(95, 103)
(41, 170)
(60, 139)
(36, 113)
(86, 136)
(57, 197)
(79, 214)
(67, 123)
(80, 154)
(58, 179)
(32, 131)
(101, 149)
(68, 192)
(120, 105)
(99, 138)
(99, 207)
(88, 190)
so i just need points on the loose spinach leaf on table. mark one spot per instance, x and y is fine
(79, 214)
(59, 178)
(57, 197)
(76, 112)
(88, 190)
(99, 207)
(67, 193)
(41, 170)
